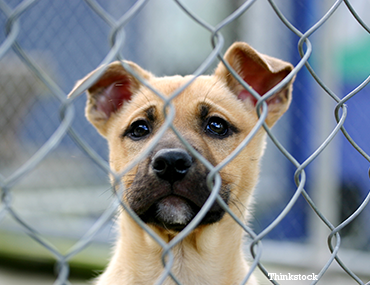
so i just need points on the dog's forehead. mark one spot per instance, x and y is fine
(208, 91)
(204, 89)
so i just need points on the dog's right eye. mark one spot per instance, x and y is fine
(138, 130)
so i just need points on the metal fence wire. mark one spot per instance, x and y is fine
(14, 15)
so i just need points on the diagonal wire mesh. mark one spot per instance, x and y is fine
(117, 41)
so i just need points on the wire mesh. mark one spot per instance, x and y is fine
(117, 40)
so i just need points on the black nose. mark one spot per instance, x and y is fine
(171, 164)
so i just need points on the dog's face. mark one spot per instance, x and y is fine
(214, 114)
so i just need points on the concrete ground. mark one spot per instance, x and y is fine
(17, 277)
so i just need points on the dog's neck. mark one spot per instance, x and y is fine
(208, 255)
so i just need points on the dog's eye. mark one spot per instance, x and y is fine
(138, 130)
(217, 126)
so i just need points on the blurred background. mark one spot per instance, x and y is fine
(66, 193)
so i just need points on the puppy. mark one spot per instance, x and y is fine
(168, 187)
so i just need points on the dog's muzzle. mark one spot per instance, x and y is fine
(170, 189)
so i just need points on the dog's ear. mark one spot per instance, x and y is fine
(262, 73)
(108, 94)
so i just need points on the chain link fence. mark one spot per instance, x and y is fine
(311, 212)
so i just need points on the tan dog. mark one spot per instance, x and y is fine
(168, 188)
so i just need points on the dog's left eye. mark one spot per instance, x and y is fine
(217, 126)
(138, 130)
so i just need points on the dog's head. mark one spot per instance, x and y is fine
(214, 114)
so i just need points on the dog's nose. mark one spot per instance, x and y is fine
(171, 164)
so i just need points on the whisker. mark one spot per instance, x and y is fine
(209, 91)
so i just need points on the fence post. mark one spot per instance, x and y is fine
(325, 184)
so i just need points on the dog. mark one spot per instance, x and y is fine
(168, 187)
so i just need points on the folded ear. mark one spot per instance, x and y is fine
(262, 73)
(110, 92)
